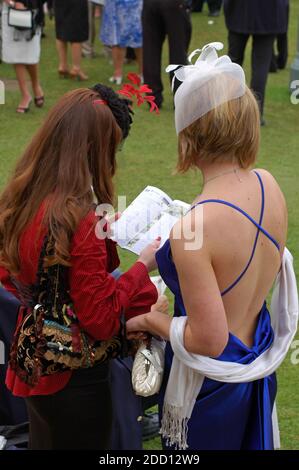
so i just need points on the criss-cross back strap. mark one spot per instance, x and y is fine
(257, 224)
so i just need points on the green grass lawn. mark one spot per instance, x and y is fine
(149, 157)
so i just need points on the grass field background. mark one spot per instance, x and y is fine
(149, 156)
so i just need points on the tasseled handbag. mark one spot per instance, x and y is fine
(48, 338)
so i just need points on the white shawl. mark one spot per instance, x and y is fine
(189, 370)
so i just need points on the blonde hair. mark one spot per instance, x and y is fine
(228, 133)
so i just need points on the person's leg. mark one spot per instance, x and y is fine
(36, 87)
(118, 58)
(197, 5)
(215, 6)
(178, 27)
(262, 48)
(139, 58)
(273, 64)
(22, 82)
(282, 48)
(93, 29)
(236, 46)
(39, 411)
(61, 47)
(76, 72)
(76, 48)
(130, 55)
(88, 46)
(153, 38)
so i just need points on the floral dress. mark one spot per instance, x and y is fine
(121, 25)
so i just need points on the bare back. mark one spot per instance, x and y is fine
(230, 237)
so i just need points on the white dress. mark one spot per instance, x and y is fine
(16, 48)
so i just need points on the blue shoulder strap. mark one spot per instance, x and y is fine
(257, 224)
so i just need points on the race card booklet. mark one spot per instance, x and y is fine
(152, 214)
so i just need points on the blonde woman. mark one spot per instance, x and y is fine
(221, 282)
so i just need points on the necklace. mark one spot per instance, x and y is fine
(225, 173)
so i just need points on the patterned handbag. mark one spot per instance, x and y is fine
(48, 338)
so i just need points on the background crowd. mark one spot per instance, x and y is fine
(137, 29)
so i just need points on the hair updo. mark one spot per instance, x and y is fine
(120, 107)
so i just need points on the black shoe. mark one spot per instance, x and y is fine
(215, 13)
(150, 426)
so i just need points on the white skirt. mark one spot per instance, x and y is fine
(16, 49)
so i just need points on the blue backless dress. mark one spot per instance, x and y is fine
(228, 416)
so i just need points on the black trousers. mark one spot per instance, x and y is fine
(262, 48)
(280, 59)
(160, 19)
(214, 5)
(77, 417)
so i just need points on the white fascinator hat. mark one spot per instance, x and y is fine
(206, 84)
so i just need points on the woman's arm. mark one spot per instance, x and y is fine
(98, 298)
(13, 4)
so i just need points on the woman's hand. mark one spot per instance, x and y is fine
(19, 6)
(138, 336)
(136, 326)
(161, 305)
(148, 255)
(16, 5)
(155, 322)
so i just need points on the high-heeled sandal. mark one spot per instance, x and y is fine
(64, 73)
(24, 109)
(39, 101)
(78, 75)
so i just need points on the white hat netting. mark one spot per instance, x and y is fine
(206, 84)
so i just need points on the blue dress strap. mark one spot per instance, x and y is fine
(257, 224)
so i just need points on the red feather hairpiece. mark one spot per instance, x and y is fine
(140, 92)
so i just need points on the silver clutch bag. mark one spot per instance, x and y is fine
(148, 368)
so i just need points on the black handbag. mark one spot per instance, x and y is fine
(48, 338)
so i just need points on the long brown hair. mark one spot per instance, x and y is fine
(74, 149)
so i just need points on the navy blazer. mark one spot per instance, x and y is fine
(257, 16)
(12, 409)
